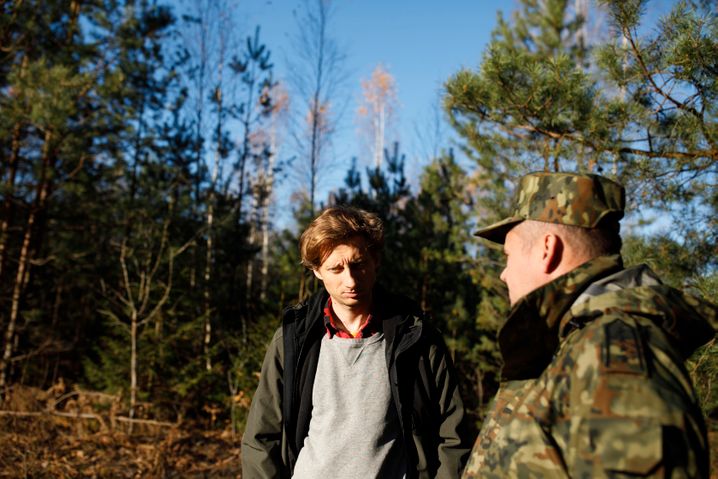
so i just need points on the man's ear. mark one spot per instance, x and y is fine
(551, 252)
(318, 274)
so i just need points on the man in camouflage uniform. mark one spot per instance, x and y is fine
(593, 382)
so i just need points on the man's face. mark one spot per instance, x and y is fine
(349, 273)
(521, 273)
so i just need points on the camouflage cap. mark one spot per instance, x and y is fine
(565, 198)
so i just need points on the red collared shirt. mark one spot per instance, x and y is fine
(369, 328)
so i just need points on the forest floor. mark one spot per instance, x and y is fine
(76, 435)
(35, 450)
(81, 437)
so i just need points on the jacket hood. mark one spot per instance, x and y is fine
(689, 320)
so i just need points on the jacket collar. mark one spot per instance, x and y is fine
(400, 317)
(530, 336)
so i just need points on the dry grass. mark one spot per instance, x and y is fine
(68, 434)
(44, 447)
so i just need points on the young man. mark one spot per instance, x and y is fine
(593, 382)
(355, 383)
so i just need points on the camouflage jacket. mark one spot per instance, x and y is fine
(593, 383)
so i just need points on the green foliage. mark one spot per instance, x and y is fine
(641, 109)
(530, 95)
(102, 173)
(703, 365)
(644, 109)
(106, 169)
(106, 368)
(676, 265)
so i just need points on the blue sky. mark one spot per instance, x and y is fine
(421, 43)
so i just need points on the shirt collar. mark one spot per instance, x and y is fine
(367, 329)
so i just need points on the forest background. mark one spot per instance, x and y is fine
(147, 247)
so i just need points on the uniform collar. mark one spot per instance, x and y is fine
(530, 336)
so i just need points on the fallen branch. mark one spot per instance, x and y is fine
(54, 413)
(21, 414)
(149, 422)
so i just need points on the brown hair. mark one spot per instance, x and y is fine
(336, 225)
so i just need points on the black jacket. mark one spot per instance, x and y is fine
(421, 375)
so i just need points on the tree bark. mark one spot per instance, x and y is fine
(133, 366)
(24, 262)
(8, 209)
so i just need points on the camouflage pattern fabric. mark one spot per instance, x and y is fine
(614, 398)
(566, 198)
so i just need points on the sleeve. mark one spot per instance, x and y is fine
(453, 444)
(262, 439)
(629, 405)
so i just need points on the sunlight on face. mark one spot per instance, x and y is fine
(520, 273)
(349, 274)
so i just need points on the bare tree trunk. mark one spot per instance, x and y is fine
(250, 81)
(72, 25)
(266, 199)
(281, 102)
(317, 117)
(252, 239)
(15, 302)
(209, 257)
(198, 141)
(24, 264)
(9, 193)
(8, 209)
(247, 130)
(137, 298)
(317, 74)
(133, 366)
(379, 144)
(265, 253)
(207, 278)
(203, 56)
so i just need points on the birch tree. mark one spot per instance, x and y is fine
(211, 37)
(377, 111)
(317, 76)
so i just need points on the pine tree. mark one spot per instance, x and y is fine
(640, 108)
(56, 121)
